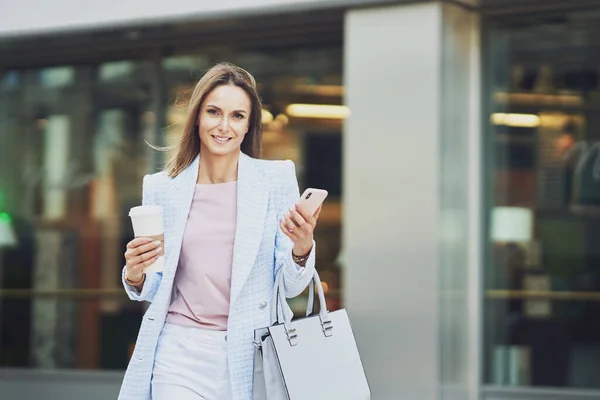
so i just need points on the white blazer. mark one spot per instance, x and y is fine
(266, 189)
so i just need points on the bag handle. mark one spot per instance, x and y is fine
(277, 314)
(276, 307)
(310, 305)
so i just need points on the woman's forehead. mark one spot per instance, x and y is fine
(228, 96)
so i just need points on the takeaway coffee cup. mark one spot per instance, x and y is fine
(147, 221)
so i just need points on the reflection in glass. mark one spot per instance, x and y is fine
(114, 71)
(57, 138)
(9, 80)
(57, 77)
(542, 298)
(184, 64)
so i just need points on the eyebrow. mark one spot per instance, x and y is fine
(218, 108)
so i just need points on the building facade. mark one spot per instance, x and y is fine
(455, 139)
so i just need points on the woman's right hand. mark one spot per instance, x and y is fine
(141, 253)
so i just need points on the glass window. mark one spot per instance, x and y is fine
(73, 156)
(542, 280)
(56, 76)
(73, 153)
(9, 80)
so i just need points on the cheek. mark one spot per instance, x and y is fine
(242, 127)
(204, 127)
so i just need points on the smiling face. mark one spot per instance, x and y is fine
(224, 120)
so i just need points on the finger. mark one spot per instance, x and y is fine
(295, 233)
(138, 242)
(289, 224)
(318, 212)
(288, 221)
(311, 219)
(146, 248)
(303, 211)
(300, 221)
(143, 249)
(286, 232)
(149, 255)
(149, 262)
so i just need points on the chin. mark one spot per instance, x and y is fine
(222, 151)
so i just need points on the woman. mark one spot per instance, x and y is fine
(230, 224)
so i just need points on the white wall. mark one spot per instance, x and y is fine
(36, 16)
(21, 16)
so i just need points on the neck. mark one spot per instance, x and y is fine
(218, 169)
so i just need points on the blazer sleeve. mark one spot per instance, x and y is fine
(296, 278)
(153, 280)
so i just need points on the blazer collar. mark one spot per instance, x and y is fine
(252, 203)
(189, 176)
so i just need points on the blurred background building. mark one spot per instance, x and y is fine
(457, 140)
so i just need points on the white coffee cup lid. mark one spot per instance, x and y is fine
(145, 210)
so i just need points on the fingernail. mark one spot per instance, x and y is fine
(157, 243)
(158, 249)
(149, 240)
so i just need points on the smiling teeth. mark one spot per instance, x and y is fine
(221, 140)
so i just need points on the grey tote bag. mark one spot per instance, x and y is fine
(311, 358)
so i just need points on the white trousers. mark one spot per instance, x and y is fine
(191, 364)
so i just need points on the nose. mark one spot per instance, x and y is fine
(224, 125)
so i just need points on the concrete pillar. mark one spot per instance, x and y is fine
(411, 198)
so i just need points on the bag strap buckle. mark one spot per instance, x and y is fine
(292, 336)
(326, 326)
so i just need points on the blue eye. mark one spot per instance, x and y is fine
(238, 116)
(212, 112)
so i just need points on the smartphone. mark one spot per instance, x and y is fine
(312, 198)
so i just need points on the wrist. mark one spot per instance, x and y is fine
(135, 281)
(302, 250)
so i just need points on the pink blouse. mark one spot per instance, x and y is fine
(203, 279)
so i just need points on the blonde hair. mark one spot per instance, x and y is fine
(189, 145)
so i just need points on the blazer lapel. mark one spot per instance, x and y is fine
(186, 180)
(184, 185)
(252, 202)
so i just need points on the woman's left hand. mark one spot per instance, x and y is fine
(299, 225)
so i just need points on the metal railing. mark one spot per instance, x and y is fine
(542, 295)
(62, 293)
